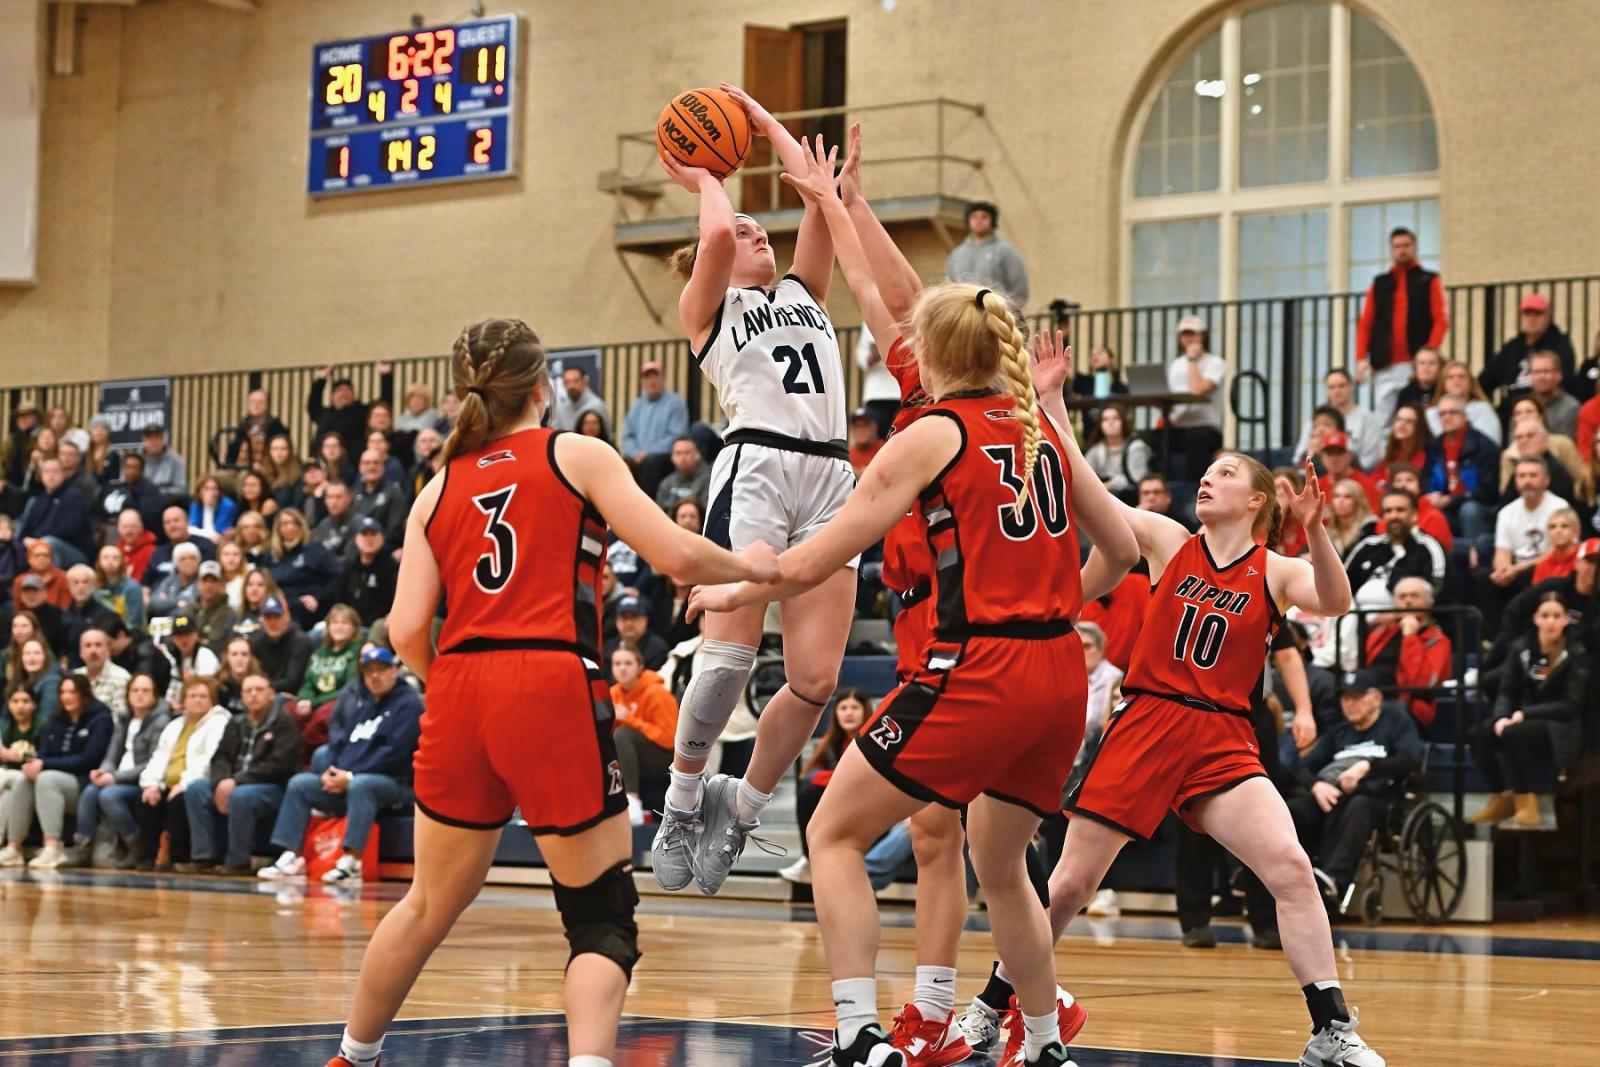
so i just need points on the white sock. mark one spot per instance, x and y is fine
(855, 1003)
(1000, 973)
(686, 790)
(360, 1053)
(749, 802)
(588, 1061)
(935, 994)
(1040, 1031)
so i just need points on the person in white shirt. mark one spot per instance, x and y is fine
(1521, 537)
(1363, 427)
(1196, 434)
(880, 393)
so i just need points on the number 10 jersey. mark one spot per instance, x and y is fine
(519, 550)
(774, 359)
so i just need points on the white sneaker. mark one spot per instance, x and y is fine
(10, 856)
(289, 865)
(1340, 1046)
(47, 858)
(1104, 905)
(798, 872)
(980, 1025)
(345, 872)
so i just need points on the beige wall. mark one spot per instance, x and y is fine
(176, 235)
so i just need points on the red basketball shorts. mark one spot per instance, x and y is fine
(1157, 754)
(518, 729)
(913, 629)
(1000, 716)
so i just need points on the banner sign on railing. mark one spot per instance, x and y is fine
(133, 405)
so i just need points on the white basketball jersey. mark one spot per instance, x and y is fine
(774, 359)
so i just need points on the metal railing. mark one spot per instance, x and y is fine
(918, 132)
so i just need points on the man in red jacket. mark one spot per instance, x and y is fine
(1409, 649)
(1403, 311)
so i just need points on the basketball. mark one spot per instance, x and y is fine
(704, 128)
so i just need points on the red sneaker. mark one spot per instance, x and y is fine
(928, 1042)
(340, 1061)
(1069, 1017)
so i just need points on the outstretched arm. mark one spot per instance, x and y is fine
(897, 281)
(713, 262)
(1321, 585)
(813, 247)
(1096, 510)
(816, 188)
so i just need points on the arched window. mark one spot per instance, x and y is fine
(1275, 155)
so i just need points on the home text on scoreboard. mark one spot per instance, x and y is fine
(416, 107)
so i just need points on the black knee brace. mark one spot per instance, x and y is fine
(598, 917)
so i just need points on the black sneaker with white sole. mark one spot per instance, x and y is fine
(871, 1048)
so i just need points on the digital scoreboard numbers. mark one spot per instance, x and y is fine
(419, 107)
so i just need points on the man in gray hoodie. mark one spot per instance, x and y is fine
(987, 259)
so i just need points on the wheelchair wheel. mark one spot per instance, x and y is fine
(1372, 904)
(1433, 863)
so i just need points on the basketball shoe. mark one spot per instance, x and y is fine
(928, 1042)
(340, 1061)
(1070, 1018)
(871, 1048)
(672, 853)
(1338, 1045)
(723, 839)
(979, 1026)
(1052, 1055)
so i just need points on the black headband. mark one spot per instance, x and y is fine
(477, 391)
(981, 294)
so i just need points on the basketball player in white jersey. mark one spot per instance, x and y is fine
(768, 346)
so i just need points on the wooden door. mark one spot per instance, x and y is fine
(774, 73)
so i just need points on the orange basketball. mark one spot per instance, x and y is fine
(704, 128)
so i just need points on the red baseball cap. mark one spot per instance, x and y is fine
(1534, 302)
(1335, 439)
(1589, 549)
(650, 367)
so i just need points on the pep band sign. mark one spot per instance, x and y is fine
(132, 405)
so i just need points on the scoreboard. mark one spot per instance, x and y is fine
(416, 107)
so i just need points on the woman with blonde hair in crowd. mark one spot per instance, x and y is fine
(1349, 514)
(306, 571)
(238, 660)
(102, 460)
(1456, 379)
(116, 589)
(256, 587)
(250, 534)
(230, 558)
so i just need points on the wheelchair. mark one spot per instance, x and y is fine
(1421, 844)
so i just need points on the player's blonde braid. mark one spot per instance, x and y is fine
(1014, 364)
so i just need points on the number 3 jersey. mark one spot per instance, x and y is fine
(993, 566)
(519, 550)
(1206, 629)
(774, 360)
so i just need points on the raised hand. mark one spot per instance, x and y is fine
(761, 119)
(1052, 362)
(1306, 505)
(689, 178)
(850, 170)
(817, 182)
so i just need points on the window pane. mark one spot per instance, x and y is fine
(1175, 262)
(1391, 119)
(1283, 103)
(1178, 146)
(1283, 253)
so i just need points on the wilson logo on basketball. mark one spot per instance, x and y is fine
(496, 457)
(696, 107)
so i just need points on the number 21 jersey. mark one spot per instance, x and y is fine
(519, 550)
(774, 359)
(1206, 629)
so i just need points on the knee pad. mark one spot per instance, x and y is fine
(719, 679)
(598, 917)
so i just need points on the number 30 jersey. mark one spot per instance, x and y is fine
(993, 566)
(774, 359)
(1206, 629)
(519, 550)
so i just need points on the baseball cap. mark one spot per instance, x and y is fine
(1589, 549)
(369, 525)
(77, 437)
(184, 624)
(211, 569)
(1357, 681)
(378, 654)
(862, 413)
(1191, 322)
(631, 605)
(652, 366)
(272, 606)
(32, 581)
(153, 429)
(1336, 439)
(1534, 302)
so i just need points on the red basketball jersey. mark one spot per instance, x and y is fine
(907, 560)
(1206, 630)
(995, 567)
(519, 549)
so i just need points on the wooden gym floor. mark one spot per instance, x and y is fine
(143, 970)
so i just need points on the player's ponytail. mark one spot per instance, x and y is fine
(681, 262)
(1268, 525)
(495, 365)
(1019, 376)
